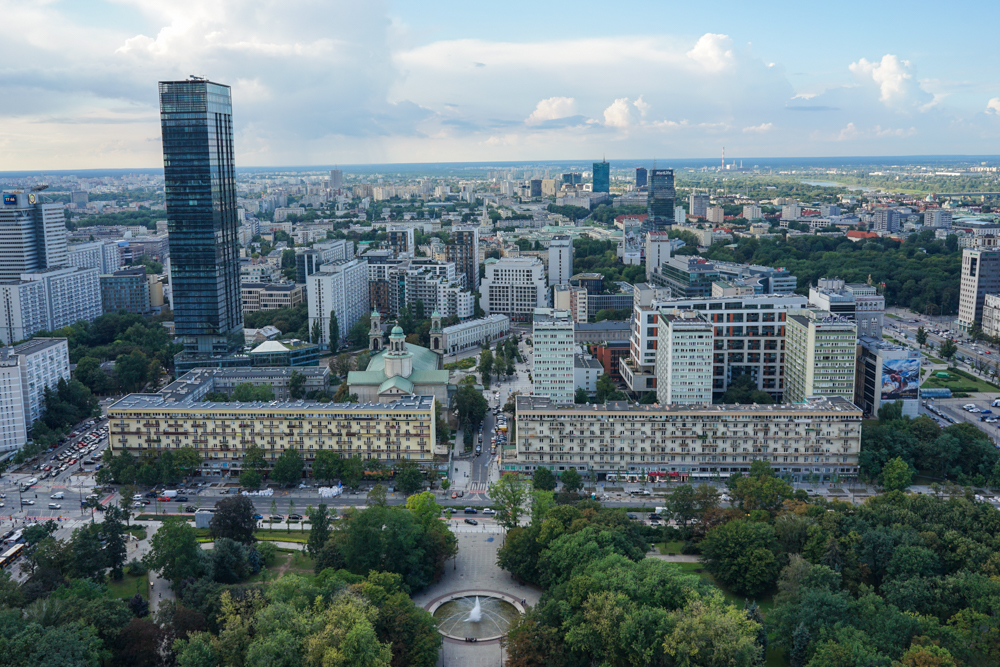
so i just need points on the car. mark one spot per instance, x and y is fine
(138, 504)
(28, 502)
(55, 506)
(449, 510)
(149, 494)
(654, 517)
(257, 517)
(58, 496)
(471, 510)
(454, 494)
(472, 522)
(295, 517)
(181, 499)
(192, 508)
(489, 511)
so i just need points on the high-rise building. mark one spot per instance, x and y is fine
(535, 187)
(657, 252)
(640, 177)
(698, 204)
(126, 290)
(196, 118)
(716, 215)
(32, 235)
(336, 179)
(71, 294)
(573, 178)
(573, 299)
(821, 349)
(13, 425)
(660, 206)
(980, 276)
(464, 252)
(886, 373)
(684, 358)
(400, 239)
(514, 287)
(560, 260)
(938, 218)
(552, 365)
(602, 176)
(885, 220)
(340, 288)
(752, 212)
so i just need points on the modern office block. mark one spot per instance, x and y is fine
(858, 302)
(641, 176)
(514, 287)
(126, 290)
(886, 373)
(980, 276)
(602, 176)
(270, 296)
(698, 204)
(32, 235)
(662, 195)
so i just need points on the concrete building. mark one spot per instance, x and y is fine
(43, 362)
(617, 440)
(586, 371)
(820, 357)
(980, 276)
(71, 294)
(552, 362)
(858, 302)
(340, 288)
(991, 315)
(127, 289)
(791, 211)
(400, 239)
(23, 310)
(698, 204)
(886, 373)
(463, 250)
(514, 287)
(573, 299)
(885, 220)
(938, 218)
(611, 355)
(560, 260)
(475, 333)
(689, 276)
(658, 251)
(289, 352)
(270, 296)
(602, 332)
(32, 236)
(13, 421)
(716, 215)
(684, 358)
(752, 212)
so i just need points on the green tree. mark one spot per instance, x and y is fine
(581, 396)
(921, 336)
(761, 490)
(571, 481)
(948, 349)
(319, 530)
(128, 494)
(234, 519)
(896, 475)
(408, 478)
(297, 385)
(471, 405)
(114, 536)
(251, 479)
(288, 468)
(605, 387)
(174, 551)
(378, 496)
(543, 479)
(742, 555)
(334, 333)
(486, 366)
(509, 494)
(327, 465)
(710, 632)
(132, 370)
(682, 504)
(316, 333)
(351, 470)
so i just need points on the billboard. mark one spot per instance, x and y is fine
(900, 378)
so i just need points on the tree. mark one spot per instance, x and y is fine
(581, 396)
(334, 333)
(327, 465)
(921, 336)
(471, 405)
(742, 555)
(571, 480)
(319, 531)
(114, 535)
(234, 519)
(800, 646)
(509, 495)
(761, 490)
(251, 479)
(174, 551)
(132, 370)
(362, 360)
(710, 632)
(896, 475)
(408, 478)
(297, 385)
(543, 479)
(378, 496)
(682, 504)
(948, 349)
(253, 458)
(127, 494)
(350, 472)
(316, 334)
(288, 468)
(486, 366)
(605, 387)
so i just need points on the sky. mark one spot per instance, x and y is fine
(384, 81)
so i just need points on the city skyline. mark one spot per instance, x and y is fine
(391, 82)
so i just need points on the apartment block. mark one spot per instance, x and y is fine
(572, 298)
(514, 287)
(698, 204)
(622, 441)
(13, 424)
(560, 260)
(684, 358)
(340, 288)
(71, 294)
(552, 350)
(821, 354)
(463, 250)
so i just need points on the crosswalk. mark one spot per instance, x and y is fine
(477, 487)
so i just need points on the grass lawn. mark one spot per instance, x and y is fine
(265, 534)
(138, 531)
(959, 384)
(295, 562)
(934, 360)
(129, 586)
(669, 548)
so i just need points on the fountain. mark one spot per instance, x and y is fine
(476, 614)
(475, 618)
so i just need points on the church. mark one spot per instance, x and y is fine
(401, 368)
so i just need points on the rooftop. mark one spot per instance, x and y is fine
(584, 361)
(462, 326)
(38, 344)
(156, 401)
(830, 404)
(604, 325)
(188, 384)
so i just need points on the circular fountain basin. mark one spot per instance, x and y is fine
(496, 615)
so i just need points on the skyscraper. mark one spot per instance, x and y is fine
(661, 200)
(640, 177)
(200, 188)
(602, 176)
(32, 235)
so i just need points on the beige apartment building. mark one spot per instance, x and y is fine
(821, 437)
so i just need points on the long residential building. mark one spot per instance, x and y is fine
(474, 333)
(26, 371)
(821, 436)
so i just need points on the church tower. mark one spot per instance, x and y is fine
(437, 335)
(375, 335)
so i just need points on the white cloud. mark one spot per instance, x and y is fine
(852, 133)
(894, 78)
(712, 52)
(619, 114)
(642, 106)
(848, 133)
(759, 129)
(993, 106)
(551, 109)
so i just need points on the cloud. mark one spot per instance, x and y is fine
(993, 106)
(853, 133)
(759, 129)
(712, 52)
(621, 115)
(894, 78)
(551, 109)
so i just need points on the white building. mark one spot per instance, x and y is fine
(821, 354)
(13, 425)
(552, 358)
(514, 287)
(261, 272)
(71, 294)
(341, 288)
(111, 257)
(684, 358)
(939, 218)
(43, 362)
(752, 212)
(32, 235)
(658, 249)
(716, 215)
(586, 372)
(980, 276)
(572, 298)
(560, 260)
(22, 310)
(475, 333)
(698, 204)
(791, 211)
(858, 302)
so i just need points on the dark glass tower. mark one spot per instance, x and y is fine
(640, 177)
(196, 118)
(602, 177)
(660, 200)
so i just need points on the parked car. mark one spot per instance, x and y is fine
(295, 517)
(454, 494)
(472, 522)
(470, 510)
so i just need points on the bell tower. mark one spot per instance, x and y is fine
(375, 334)
(436, 334)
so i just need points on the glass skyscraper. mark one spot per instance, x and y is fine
(661, 199)
(602, 177)
(640, 177)
(196, 118)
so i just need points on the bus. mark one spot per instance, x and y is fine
(14, 537)
(11, 555)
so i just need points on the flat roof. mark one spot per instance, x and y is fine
(583, 361)
(156, 401)
(181, 389)
(811, 404)
(38, 344)
(461, 326)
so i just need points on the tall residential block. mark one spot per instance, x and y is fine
(660, 203)
(821, 349)
(698, 204)
(336, 179)
(70, 294)
(196, 119)
(602, 176)
(552, 364)
(463, 250)
(13, 425)
(32, 235)
(560, 260)
(514, 287)
(658, 250)
(573, 298)
(980, 276)
(939, 218)
(340, 288)
(26, 371)
(684, 358)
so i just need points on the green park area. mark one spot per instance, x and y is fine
(958, 381)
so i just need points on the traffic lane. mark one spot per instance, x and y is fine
(953, 408)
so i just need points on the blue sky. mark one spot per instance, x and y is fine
(329, 81)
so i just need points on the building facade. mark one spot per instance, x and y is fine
(662, 195)
(32, 235)
(13, 421)
(886, 373)
(552, 364)
(270, 296)
(126, 290)
(514, 287)
(858, 302)
(980, 276)
(474, 333)
(821, 354)
(71, 294)
(684, 358)
(463, 250)
(698, 204)
(602, 176)
(340, 288)
(560, 260)
(586, 371)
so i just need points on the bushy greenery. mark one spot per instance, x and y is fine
(290, 321)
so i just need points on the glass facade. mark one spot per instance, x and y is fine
(661, 200)
(200, 189)
(602, 177)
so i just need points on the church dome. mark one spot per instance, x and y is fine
(397, 330)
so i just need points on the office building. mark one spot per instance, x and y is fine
(552, 364)
(514, 287)
(858, 302)
(684, 353)
(980, 276)
(885, 220)
(821, 349)
(641, 176)
(463, 250)
(765, 279)
(688, 276)
(625, 442)
(289, 352)
(991, 315)
(602, 176)
(307, 263)
(698, 204)
(586, 371)
(658, 251)
(886, 373)
(791, 211)
(340, 288)
(79, 198)
(611, 354)
(32, 235)
(474, 333)
(535, 188)
(270, 296)
(662, 195)
(560, 260)
(202, 222)
(125, 290)
(938, 218)
(574, 178)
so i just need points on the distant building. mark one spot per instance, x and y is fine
(475, 333)
(612, 355)
(716, 215)
(641, 176)
(752, 212)
(689, 275)
(698, 204)
(71, 294)
(938, 218)
(684, 358)
(552, 357)
(821, 350)
(858, 302)
(32, 236)
(602, 176)
(586, 371)
(400, 239)
(514, 287)
(602, 332)
(463, 250)
(662, 194)
(658, 251)
(886, 373)
(340, 288)
(885, 220)
(560, 260)
(43, 361)
(572, 299)
(125, 290)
